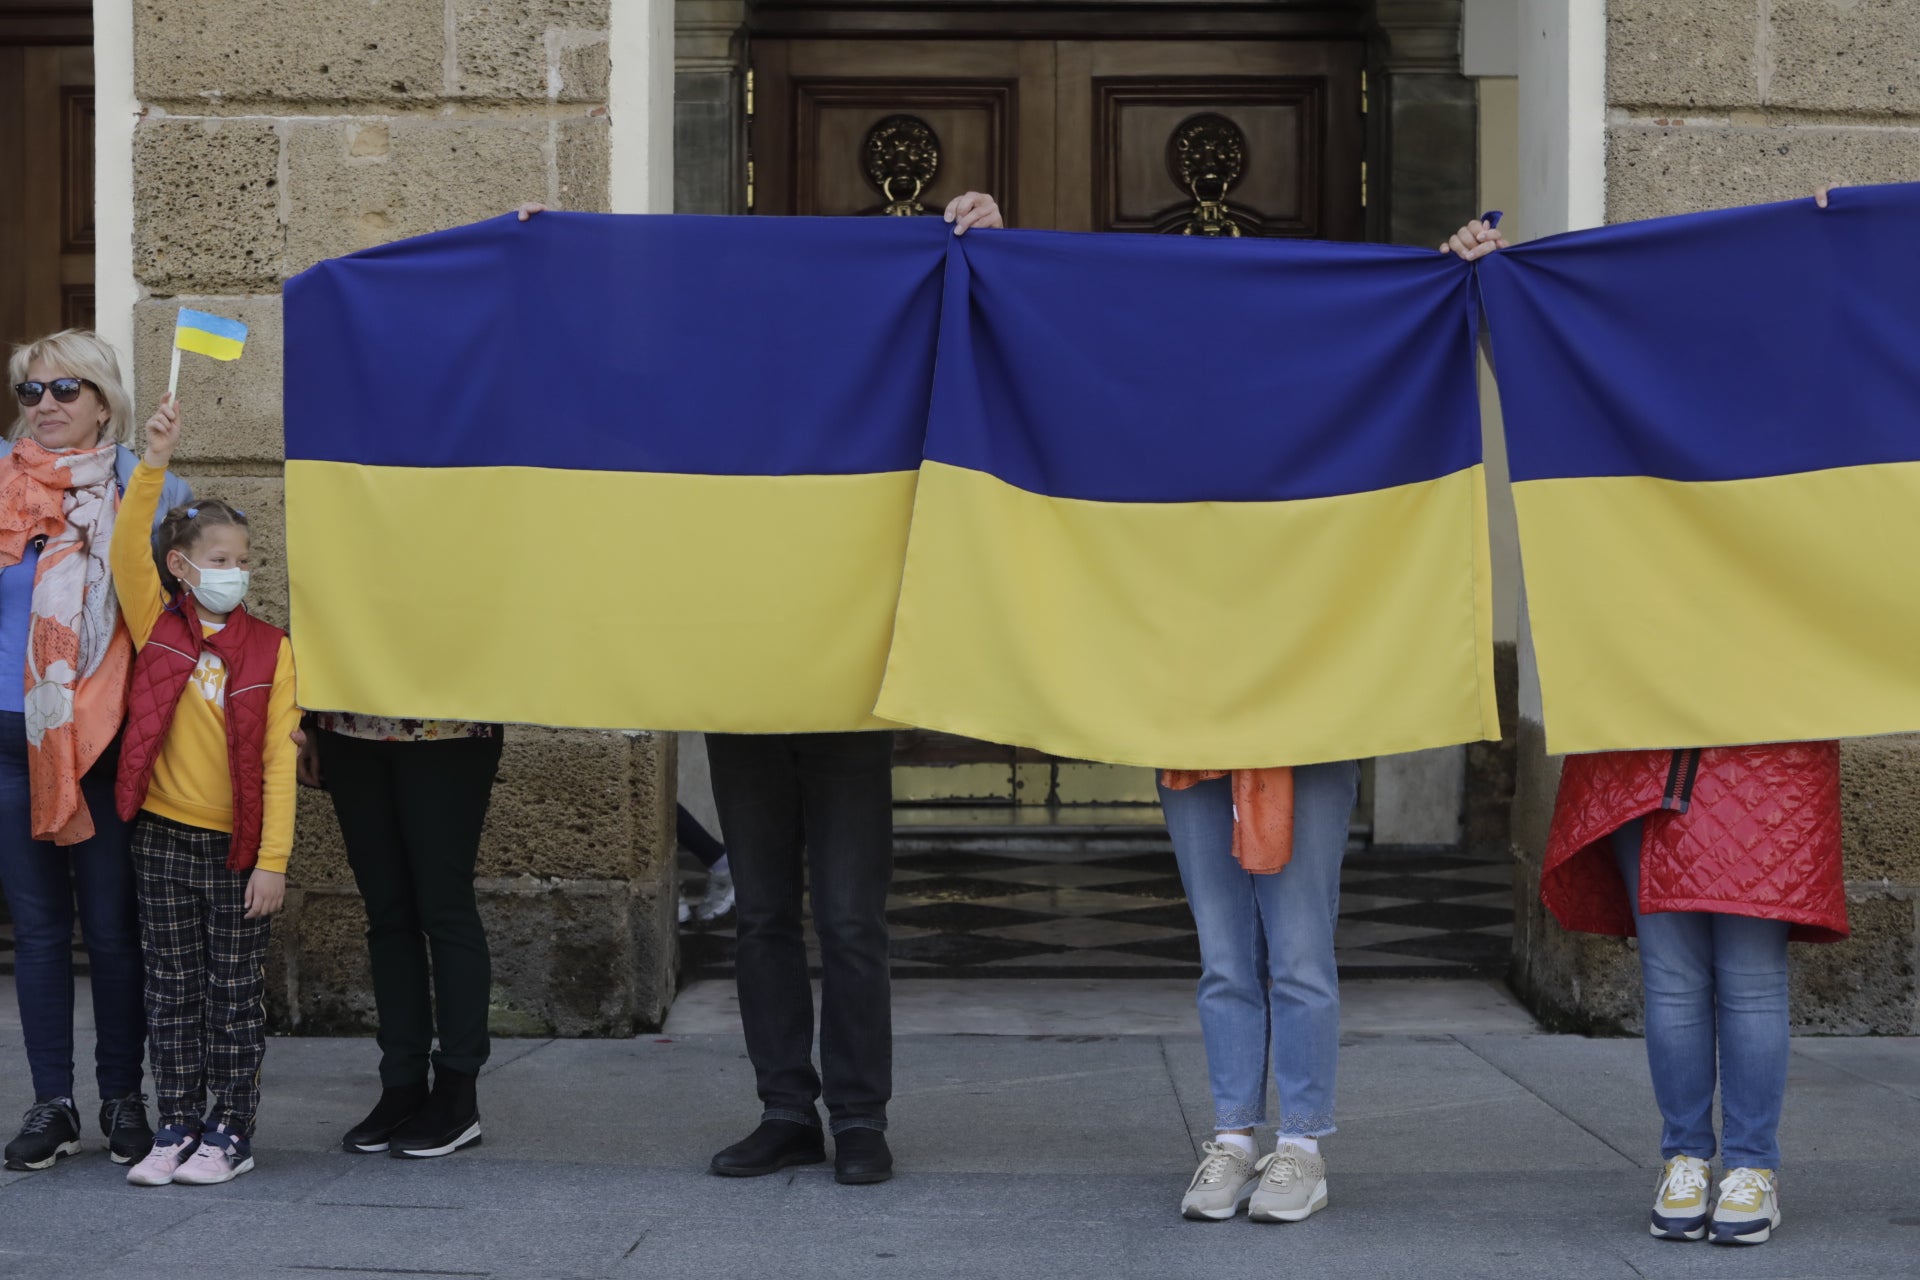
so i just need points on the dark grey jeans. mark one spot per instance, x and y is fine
(812, 813)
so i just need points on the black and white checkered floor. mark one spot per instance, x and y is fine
(1112, 907)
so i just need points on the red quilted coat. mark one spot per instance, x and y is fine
(250, 649)
(1750, 831)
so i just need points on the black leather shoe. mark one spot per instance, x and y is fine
(775, 1145)
(861, 1156)
(395, 1108)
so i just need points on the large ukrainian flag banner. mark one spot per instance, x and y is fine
(1713, 423)
(1201, 504)
(609, 472)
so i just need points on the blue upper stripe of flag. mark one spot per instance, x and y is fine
(692, 345)
(1763, 341)
(218, 326)
(1159, 369)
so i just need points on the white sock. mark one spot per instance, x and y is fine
(1241, 1140)
(1309, 1145)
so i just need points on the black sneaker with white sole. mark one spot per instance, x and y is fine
(49, 1130)
(449, 1121)
(124, 1122)
(396, 1106)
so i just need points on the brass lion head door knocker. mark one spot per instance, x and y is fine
(902, 154)
(1206, 155)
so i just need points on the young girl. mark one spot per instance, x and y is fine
(208, 765)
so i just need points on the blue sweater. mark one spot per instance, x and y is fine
(16, 588)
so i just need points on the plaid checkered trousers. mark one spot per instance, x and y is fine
(206, 978)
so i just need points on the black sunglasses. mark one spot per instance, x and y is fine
(65, 391)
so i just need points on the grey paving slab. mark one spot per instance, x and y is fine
(1011, 1104)
(492, 1242)
(1831, 1114)
(1468, 1115)
(44, 1219)
(1893, 1062)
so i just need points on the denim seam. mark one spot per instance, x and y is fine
(793, 1117)
(858, 1122)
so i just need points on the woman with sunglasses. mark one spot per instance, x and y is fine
(65, 658)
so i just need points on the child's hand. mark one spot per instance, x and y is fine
(266, 892)
(163, 433)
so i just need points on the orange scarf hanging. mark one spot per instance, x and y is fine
(79, 654)
(1262, 813)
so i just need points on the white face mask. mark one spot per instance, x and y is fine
(221, 590)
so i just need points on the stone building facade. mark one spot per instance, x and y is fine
(270, 136)
(1711, 103)
(240, 142)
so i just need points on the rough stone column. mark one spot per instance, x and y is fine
(276, 135)
(1722, 103)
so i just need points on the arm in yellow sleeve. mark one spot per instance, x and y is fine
(136, 579)
(279, 756)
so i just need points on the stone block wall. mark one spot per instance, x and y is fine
(274, 136)
(1716, 103)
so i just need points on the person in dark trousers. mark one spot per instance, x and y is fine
(815, 807)
(412, 798)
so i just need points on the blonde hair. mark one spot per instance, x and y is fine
(77, 353)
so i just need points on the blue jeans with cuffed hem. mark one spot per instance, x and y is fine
(46, 886)
(1716, 988)
(1269, 989)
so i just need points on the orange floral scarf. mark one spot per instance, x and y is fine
(1262, 813)
(79, 654)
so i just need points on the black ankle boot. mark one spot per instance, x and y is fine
(774, 1145)
(449, 1121)
(397, 1105)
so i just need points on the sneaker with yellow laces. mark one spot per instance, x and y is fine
(1680, 1205)
(1748, 1210)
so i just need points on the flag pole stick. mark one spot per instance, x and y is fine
(173, 377)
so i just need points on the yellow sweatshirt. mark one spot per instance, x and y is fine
(192, 783)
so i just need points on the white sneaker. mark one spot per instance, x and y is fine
(1220, 1185)
(1748, 1211)
(171, 1147)
(221, 1157)
(1293, 1185)
(1680, 1203)
(719, 899)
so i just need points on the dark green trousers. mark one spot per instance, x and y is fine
(411, 813)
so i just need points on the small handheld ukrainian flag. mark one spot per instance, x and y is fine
(208, 335)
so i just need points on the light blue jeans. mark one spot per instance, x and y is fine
(1269, 991)
(1713, 982)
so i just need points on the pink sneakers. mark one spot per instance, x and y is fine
(171, 1147)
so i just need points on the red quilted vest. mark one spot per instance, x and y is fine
(1751, 831)
(250, 649)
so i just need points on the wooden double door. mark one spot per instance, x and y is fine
(1215, 136)
(1192, 136)
(46, 155)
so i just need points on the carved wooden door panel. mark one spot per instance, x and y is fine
(1212, 137)
(853, 126)
(46, 203)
